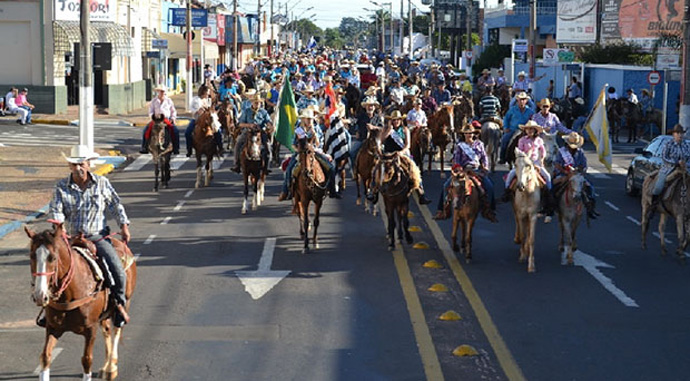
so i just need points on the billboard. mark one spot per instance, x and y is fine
(640, 21)
(100, 10)
(576, 21)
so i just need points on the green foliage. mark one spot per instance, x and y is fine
(420, 24)
(492, 56)
(623, 53)
(333, 38)
(306, 27)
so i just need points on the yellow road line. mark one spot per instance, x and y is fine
(427, 350)
(505, 358)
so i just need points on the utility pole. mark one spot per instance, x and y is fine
(383, 31)
(409, 16)
(432, 11)
(392, 33)
(270, 49)
(188, 89)
(684, 117)
(533, 36)
(469, 35)
(258, 27)
(235, 26)
(85, 81)
(402, 15)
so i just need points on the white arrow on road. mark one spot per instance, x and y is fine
(590, 264)
(258, 283)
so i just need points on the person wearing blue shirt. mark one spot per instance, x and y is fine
(574, 91)
(272, 102)
(307, 99)
(516, 115)
(571, 158)
(440, 94)
(254, 116)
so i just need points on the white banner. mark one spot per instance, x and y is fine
(576, 21)
(211, 31)
(101, 10)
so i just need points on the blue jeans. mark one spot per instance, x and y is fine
(504, 144)
(106, 251)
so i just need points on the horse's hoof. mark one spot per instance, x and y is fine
(155, 189)
(244, 211)
(531, 270)
(517, 241)
(305, 250)
(468, 260)
(109, 376)
(316, 245)
(358, 202)
(391, 247)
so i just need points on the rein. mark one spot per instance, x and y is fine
(60, 284)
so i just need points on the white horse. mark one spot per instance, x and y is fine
(551, 149)
(526, 206)
(570, 208)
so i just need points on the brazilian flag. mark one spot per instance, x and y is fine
(287, 116)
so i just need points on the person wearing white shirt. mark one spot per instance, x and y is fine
(632, 97)
(416, 117)
(11, 104)
(162, 105)
(201, 101)
(611, 93)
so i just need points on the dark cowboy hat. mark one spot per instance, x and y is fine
(678, 128)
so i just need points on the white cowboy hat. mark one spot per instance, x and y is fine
(521, 95)
(79, 154)
(574, 140)
(306, 114)
(161, 88)
(370, 101)
(532, 124)
(522, 74)
(308, 89)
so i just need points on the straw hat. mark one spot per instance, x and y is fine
(532, 124)
(574, 140)
(79, 154)
(521, 95)
(308, 89)
(486, 71)
(396, 114)
(370, 100)
(544, 102)
(307, 113)
(468, 129)
(371, 91)
(161, 88)
(579, 101)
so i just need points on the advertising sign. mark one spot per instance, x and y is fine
(211, 31)
(553, 57)
(100, 10)
(221, 29)
(576, 21)
(640, 21)
(159, 44)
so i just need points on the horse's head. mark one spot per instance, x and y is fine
(44, 257)
(576, 182)
(253, 147)
(551, 146)
(525, 172)
(373, 140)
(207, 122)
(157, 119)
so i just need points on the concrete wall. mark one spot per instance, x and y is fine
(20, 28)
(120, 99)
(47, 99)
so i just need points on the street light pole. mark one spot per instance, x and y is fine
(684, 117)
(235, 26)
(85, 81)
(188, 87)
(533, 36)
(409, 16)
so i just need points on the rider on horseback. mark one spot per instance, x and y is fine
(571, 158)
(517, 115)
(396, 138)
(470, 157)
(81, 201)
(200, 102)
(533, 146)
(162, 105)
(307, 130)
(490, 107)
(255, 116)
(674, 152)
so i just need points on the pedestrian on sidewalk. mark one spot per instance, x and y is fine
(22, 102)
(162, 105)
(13, 107)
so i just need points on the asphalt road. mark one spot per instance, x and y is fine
(352, 310)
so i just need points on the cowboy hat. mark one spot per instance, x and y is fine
(522, 74)
(521, 95)
(468, 129)
(161, 88)
(574, 140)
(371, 90)
(531, 124)
(307, 114)
(678, 128)
(396, 114)
(579, 101)
(308, 89)
(414, 63)
(544, 102)
(327, 78)
(370, 101)
(486, 71)
(79, 154)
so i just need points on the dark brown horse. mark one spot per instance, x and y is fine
(253, 169)
(74, 301)
(614, 113)
(465, 196)
(226, 116)
(420, 145)
(366, 159)
(160, 147)
(394, 184)
(633, 118)
(463, 112)
(310, 186)
(503, 95)
(205, 144)
(442, 125)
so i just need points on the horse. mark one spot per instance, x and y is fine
(205, 143)
(653, 117)
(491, 134)
(365, 161)
(614, 113)
(570, 207)
(526, 204)
(551, 147)
(420, 145)
(463, 112)
(503, 95)
(352, 97)
(226, 116)
(442, 126)
(673, 203)
(160, 147)
(74, 300)
(633, 118)
(253, 169)
(465, 196)
(310, 186)
(394, 185)
(564, 110)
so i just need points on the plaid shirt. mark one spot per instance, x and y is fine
(84, 210)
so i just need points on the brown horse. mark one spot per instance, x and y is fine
(503, 95)
(310, 186)
(633, 118)
(394, 184)
(442, 126)
(253, 168)
(226, 116)
(74, 300)
(160, 147)
(367, 157)
(420, 145)
(674, 203)
(463, 112)
(465, 196)
(614, 113)
(205, 144)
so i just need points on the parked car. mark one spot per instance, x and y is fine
(647, 161)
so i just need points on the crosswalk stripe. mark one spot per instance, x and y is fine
(177, 162)
(138, 164)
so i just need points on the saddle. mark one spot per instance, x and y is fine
(87, 250)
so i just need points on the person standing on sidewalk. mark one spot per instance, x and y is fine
(22, 102)
(80, 201)
(162, 105)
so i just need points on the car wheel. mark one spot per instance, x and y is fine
(630, 189)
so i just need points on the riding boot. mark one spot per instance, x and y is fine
(547, 204)
(189, 151)
(120, 316)
(423, 200)
(41, 319)
(331, 187)
(487, 212)
(373, 195)
(590, 204)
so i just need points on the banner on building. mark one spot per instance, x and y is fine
(100, 10)
(640, 21)
(211, 29)
(576, 21)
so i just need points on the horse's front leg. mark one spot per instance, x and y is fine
(682, 238)
(156, 171)
(443, 174)
(245, 193)
(305, 226)
(662, 229)
(644, 224)
(390, 213)
(199, 171)
(567, 236)
(530, 244)
(87, 357)
(108, 340)
(46, 355)
(454, 231)
(317, 213)
(467, 238)
(112, 373)
(255, 196)
(209, 170)
(356, 177)
(406, 225)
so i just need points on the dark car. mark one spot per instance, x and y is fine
(647, 161)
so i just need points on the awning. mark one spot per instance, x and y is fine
(177, 46)
(148, 35)
(66, 33)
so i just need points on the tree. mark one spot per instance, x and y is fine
(306, 28)
(333, 38)
(420, 24)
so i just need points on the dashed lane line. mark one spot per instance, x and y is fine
(633, 220)
(150, 239)
(179, 205)
(189, 193)
(138, 163)
(166, 220)
(177, 161)
(610, 205)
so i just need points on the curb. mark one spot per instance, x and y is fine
(61, 122)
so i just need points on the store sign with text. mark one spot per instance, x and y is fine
(99, 10)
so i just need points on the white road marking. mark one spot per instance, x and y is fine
(590, 264)
(150, 239)
(596, 173)
(619, 170)
(189, 193)
(166, 220)
(179, 206)
(657, 235)
(139, 163)
(258, 283)
(634, 221)
(177, 161)
(610, 205)
(56, 352)
(217, 163)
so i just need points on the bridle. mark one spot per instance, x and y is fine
(59, 284)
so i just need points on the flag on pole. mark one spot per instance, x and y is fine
(287, 115)
(312, 43)
(597, 126)
(330, 102)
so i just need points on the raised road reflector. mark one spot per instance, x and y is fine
(420, 245)
(438, 287)
(410, 214)
(450, 315)
(432, 264)
(465, 350)
(414, 229)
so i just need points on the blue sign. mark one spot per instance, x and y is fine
(156, 54)
(179, 17)
(159, 44)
